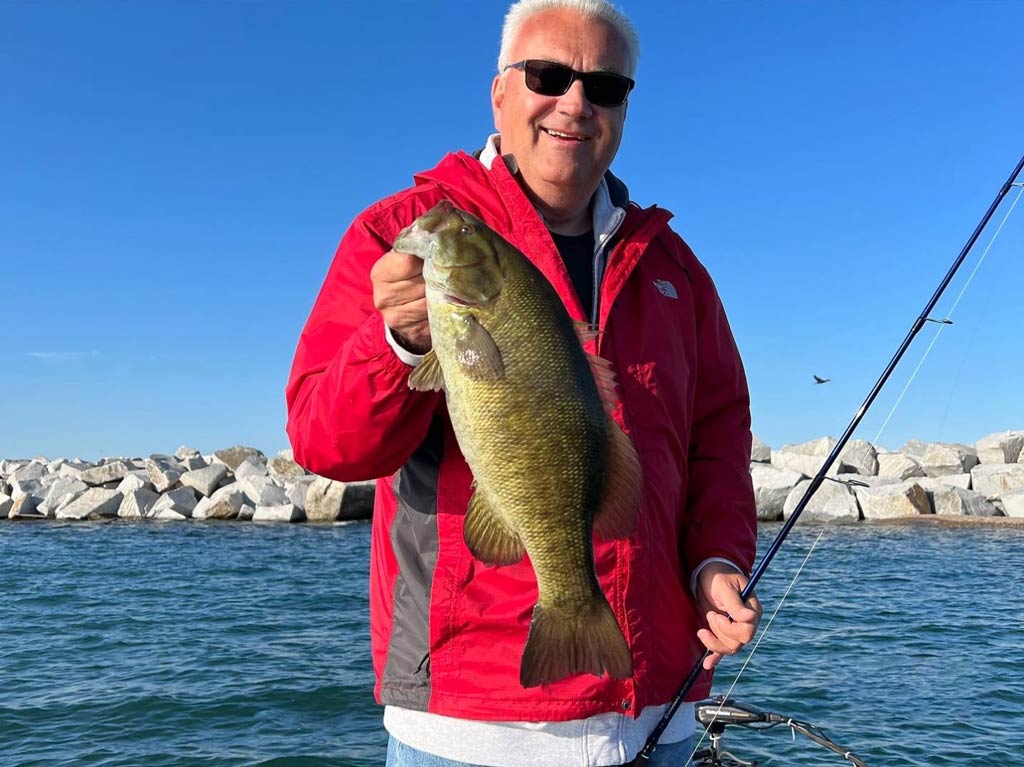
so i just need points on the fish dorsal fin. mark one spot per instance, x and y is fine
(476, 352)
(623, 487)
(427, 376)
(586, 332)
(487, 534)
(624, 479)
(604, 377)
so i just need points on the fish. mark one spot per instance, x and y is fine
(531, 412)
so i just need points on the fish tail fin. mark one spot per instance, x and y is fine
(566, 642)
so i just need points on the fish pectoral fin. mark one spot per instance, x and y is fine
(427, 376)
(477, 353)
(623, 487)
(567, 641)
(487, 534)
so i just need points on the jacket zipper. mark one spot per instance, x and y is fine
(600, 257)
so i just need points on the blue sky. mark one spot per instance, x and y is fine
(177, 177)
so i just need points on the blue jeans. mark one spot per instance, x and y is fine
(401, 755)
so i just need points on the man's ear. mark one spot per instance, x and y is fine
(497, 98)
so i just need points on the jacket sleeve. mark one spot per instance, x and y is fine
(721, 513)
(351, 414)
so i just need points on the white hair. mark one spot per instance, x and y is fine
(520, 11)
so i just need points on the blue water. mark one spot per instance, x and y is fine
(240, 644)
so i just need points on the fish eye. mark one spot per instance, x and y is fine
(467, 229)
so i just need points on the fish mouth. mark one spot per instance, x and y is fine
(437, 268)
(449, 298)
(442, 289)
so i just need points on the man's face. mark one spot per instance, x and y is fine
(563, 144)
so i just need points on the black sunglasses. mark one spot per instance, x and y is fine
(549, 78)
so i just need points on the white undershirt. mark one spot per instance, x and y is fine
(604, 739)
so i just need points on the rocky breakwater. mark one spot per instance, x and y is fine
(238, 483)
(950, 480)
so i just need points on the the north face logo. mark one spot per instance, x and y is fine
(666, 288)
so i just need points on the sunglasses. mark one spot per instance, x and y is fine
(549, 78)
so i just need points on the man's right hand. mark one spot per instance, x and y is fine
(399, 294)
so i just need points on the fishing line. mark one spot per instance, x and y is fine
(981, 321)
(760, 637)
(806, 559)
(646, 753)
(949, 315)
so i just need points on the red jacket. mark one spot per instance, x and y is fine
(447, 631)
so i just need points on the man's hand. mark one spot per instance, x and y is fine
(399, 294)
(731, 624)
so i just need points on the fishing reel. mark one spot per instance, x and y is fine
(718, 713)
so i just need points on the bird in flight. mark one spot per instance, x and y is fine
(820, 380)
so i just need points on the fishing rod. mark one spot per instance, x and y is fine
(644, 757)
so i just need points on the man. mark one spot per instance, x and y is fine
(447, 631)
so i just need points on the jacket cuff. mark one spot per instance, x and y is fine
(705, 563)
(409, 358)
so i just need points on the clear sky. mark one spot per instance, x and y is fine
(177, 175)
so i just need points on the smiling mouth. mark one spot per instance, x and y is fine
(565, 136)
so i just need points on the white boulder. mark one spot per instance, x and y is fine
(225, 503)
(174, 504)
(205, 480)
(1001, 447)
(859, 456)
(772, 486)
(1013, 504)
(806, 457)
(137, 503)
(831, 502)
(760, 452)
(232, 457)
(893, 500)
(898, 466)
(328, 500)
(956, 501)
(283, 467)
(164, 472)
(94, 503)
(285, 512)
(995, 479)
(113, 471)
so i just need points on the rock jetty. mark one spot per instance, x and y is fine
(947, 480)
(950, 480)
(238, 483)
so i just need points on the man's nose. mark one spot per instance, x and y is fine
(574, 101)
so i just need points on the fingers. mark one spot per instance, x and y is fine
(731, 622)
(713, 658)
(396, 267)
(724, 636)
(397, 280)
(728, 601)
(399, 294)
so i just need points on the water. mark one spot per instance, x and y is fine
(240, 644)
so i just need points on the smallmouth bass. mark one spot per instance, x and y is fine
(530, 411)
